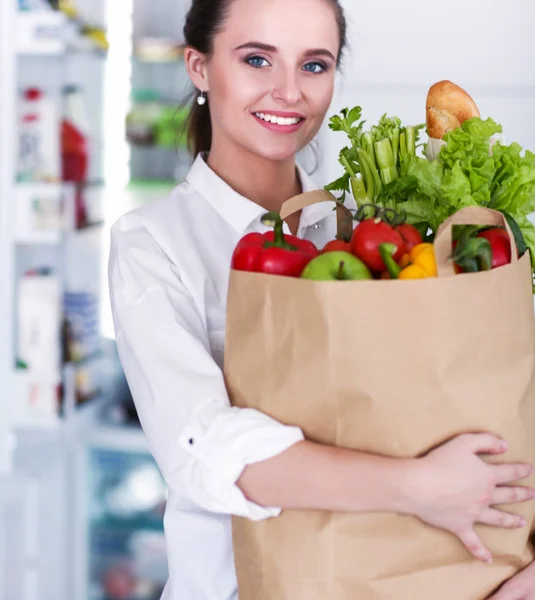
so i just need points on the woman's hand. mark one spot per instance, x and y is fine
(457, 489)
(519, 587)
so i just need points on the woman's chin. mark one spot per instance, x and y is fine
(280, 153)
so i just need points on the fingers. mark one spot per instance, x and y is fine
(475, 546)
(485, 443)
(510, 591)
(499, 518)
(511, 495)
(506, 473)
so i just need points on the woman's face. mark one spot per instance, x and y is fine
(271, 76)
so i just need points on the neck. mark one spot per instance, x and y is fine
(269, 183)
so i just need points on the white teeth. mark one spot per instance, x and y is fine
(278, 120)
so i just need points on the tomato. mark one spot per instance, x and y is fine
(368, 236)
(337, 246)
(500, 245)
(411, 236)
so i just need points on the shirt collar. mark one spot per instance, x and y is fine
(239, 211)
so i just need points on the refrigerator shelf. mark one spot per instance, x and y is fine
(41, 33)
(51, 33)
(46, 211)
(78, 418)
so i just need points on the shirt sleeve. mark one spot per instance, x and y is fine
(200, 443)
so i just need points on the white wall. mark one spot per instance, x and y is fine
(399, 48)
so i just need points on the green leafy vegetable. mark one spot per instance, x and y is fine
(381, 166)
(375, 158)
(495, 176)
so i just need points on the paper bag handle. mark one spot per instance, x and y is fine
(470, 215)
(344, 217)
(303, 200)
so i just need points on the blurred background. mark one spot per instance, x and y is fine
(92, 101)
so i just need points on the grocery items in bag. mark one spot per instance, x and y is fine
(448, 106)
(397, 361)
(333, 266)
(273, 252)
(391, 368)
(471, 169)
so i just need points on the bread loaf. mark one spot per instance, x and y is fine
(447, 107)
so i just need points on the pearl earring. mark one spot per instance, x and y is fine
(201, 99)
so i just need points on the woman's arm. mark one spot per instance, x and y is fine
(200, 443)
(313, 476)
(451, 488)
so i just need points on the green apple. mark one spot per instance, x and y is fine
(340, 265)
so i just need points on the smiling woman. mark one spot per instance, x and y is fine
(265, 72)
(240, 57)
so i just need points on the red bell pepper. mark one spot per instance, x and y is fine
(273, 252)
(481, 249)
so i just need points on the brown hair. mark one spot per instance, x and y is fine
(204, 20)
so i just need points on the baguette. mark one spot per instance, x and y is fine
(447, 107)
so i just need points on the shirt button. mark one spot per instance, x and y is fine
(317, 225)
(191, 441)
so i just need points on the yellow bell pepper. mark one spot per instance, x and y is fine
(420, 263)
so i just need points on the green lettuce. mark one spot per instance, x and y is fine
(472, 169)
(502, 179)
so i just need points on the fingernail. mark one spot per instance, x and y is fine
(522, 522)
(503, 445)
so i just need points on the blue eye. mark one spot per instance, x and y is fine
(257, 62)
(315, 67)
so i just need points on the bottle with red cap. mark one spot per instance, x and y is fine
(38, 137)
(75, 131)
(75, 148)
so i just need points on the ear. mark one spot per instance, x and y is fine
(196, 63)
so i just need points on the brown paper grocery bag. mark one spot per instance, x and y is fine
(388, 367)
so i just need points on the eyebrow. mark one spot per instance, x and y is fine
(269, 48)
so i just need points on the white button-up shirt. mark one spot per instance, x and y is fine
(168, 274)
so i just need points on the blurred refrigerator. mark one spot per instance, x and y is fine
(81, 499)
(118, 534)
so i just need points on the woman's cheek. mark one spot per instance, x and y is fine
(320, 93)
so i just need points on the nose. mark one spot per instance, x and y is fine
(286, 89)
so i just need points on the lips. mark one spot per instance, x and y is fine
(276, 122)
(281, 119)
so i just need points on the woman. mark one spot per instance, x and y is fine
(265, 72)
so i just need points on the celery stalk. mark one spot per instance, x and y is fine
(377, 183)
(347, 166)
(367, 174)
(369, 147)
(404, 155)
(411, 141)
(385, 161)
(395, 145)
(358, 189)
